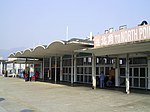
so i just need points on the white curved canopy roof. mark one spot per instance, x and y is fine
(38, 51)
(12, 55)
(61, 48)
(25, 53)
(56, 43)
(56, 48)
(19, 53)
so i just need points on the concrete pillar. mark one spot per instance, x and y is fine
(75, 68)
(72, 70)
(5, 66)
(43, 69)
(26, 65)
(50, 68)
(1, 68)
(93, 71)
(55, 69)
(20, 66)
(61, 69)
(127, 75)
(117, 82)
(149, 73)
(13, 66)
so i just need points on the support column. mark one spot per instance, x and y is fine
(14, 71)
(117, 72)
(148, 73)
(72, 70)
(6, 72)
(50, 68)
(75, 68)
(55, 69)
(93, 71)
(20, 66)
(6, 66)
(43, 70)
(61, 69)
(26, 65)
(13, 66)
(127, 75)
(1, 68)
(18, 71)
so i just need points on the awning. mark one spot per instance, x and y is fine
(56, 48)
(12, 55)
(25, 61)
(119, 49)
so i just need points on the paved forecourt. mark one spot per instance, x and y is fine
(19, 96)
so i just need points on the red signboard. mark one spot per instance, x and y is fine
(123, 36)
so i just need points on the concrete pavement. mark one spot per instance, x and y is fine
(19, 96)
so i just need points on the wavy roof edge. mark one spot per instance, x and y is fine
(84, 42)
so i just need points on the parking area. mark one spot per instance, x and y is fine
(16, 95)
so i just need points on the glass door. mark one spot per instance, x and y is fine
(138, 76)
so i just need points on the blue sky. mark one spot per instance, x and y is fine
(27, 23)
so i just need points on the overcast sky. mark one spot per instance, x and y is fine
(27, 23)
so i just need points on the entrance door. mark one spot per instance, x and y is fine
(53, 74)
(106, 69)
(137, 77)
(57, 74)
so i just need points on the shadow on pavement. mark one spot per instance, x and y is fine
(120, 89)
(1, 99)
(26, 110)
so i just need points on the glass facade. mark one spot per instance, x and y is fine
(138, 75)
(138, 69)
(84, 69)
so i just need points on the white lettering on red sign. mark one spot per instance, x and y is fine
(123, 36)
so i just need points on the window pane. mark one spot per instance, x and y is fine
(140, 60)
(89, 60)
(136, 72)
(90, 70)
(78, 77)
(79, 61)
(130, 81)
(85, 78)
(101, 69)
(136, 82)
(69, 70)
(122, 81)
(90, 79)
(142, 82)
(130, 71)
(142, 72)
(107, 71)
(81, 78)
(69, 77)
(122, 71)
(77, 70)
